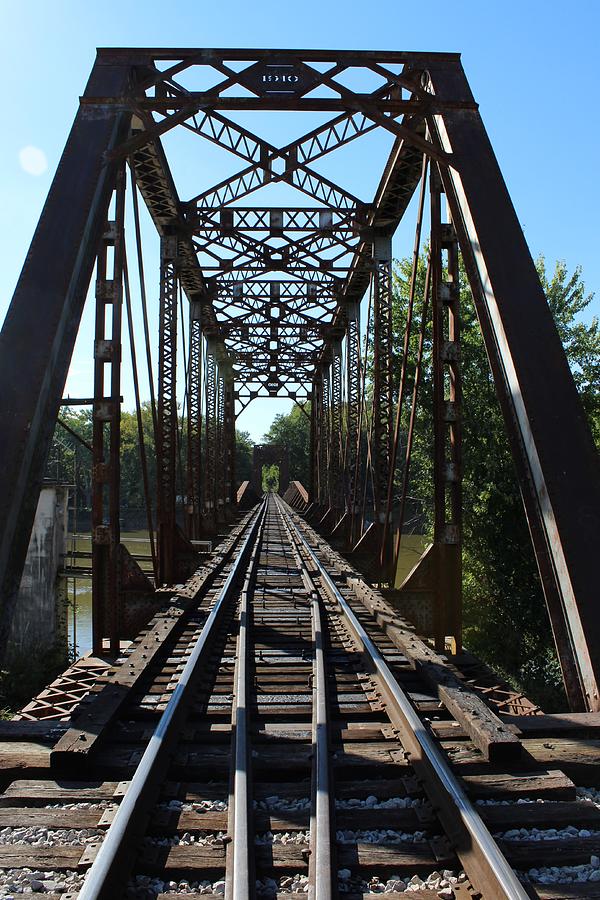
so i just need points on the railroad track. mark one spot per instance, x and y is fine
(278, 730)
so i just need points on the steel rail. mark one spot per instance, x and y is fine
(484, 863)
(237, 882)
(320, 860)
(105, 876)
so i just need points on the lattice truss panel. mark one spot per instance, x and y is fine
(279, 278)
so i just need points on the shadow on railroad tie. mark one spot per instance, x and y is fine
(288, 644)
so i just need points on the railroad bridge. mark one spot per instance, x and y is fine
(277, 715)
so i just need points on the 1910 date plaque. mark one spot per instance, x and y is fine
(279, 78)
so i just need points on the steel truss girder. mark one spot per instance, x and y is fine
(447, 421)
(353, 373)
(194, 467)
(106, 416)
(167, 437)
(382, 372)
(544, 417)
(551, 441)
(211, 433)
(53, 283)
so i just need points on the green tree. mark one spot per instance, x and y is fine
(292, 431)
(506, 621)
(243, 456)
(270, 478)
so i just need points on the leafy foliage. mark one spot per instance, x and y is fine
(270, 478)
(292, 431)
(505, 616)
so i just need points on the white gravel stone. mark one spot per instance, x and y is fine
(146, 886)
(565, 874)
(546, 834)
(101, 804)
(196, 806)
(282, 837)
(39, 836)
(442, 882)
(14, 882)
(372, 802)
(185, 839)
(294, 804)
(379, 836)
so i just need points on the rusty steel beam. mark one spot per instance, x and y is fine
(382, 372)
(166, 444)
(106, 464)
(194, 460)
(447, 429)
(43, 318)
(551, 441)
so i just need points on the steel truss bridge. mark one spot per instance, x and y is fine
(266, 301)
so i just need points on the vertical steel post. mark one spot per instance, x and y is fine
(194, 461)
(447, 397)
(166, 451)
(324, 440)
(229, 487)
(545, 420)
(106, 469)
(221, 475)
(336, 453)
(382, 371)
(210, 387)
(316, 437)
(353, 409)
(45, 313)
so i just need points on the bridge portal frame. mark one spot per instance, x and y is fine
(551, 442)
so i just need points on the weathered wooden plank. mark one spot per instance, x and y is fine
(16, 755)
(57, 856)
(280, 858)
(36, 816)
(29, 791)
(588, 890)
(172, 821)
(524, 854)
(579, 758)
(549, 785)
(541, 815)
(555, 724)
(47, 730)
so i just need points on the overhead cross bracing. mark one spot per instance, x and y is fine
(262, 257)
(295, 300)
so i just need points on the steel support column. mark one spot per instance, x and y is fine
(166, 450)
(106, 413)
(324, 441)
(210, 387)
(336, 478)
(194, 461)
(555, 455)
(316, 416)
(353, 409)
(382, 372)
(221, 479)
(43, 318)
(230, 486)
(447, 412)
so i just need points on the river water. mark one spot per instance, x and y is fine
(80, 588)
(137, 542)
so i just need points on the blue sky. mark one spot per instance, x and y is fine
(532, 67)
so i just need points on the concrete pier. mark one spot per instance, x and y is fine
(39, 626)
